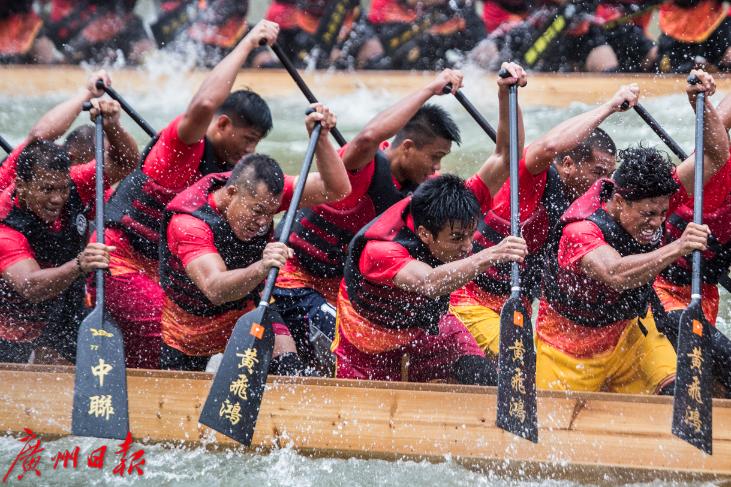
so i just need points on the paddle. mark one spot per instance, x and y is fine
(126, 107)
(516, 392)
(472, 110)
(232, 406)
(301, 84)
(100, 388)
(692, 405)
(5, 145)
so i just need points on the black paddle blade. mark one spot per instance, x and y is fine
(100, 390)
(516, 389)
(233, 402)
(692, 405)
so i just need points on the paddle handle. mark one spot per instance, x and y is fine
(126, 107)
(292, 210)
(99, 176)
(5, 145)
(514, 205)
(657, 128)
(472, 110)
(301, 84)
(700, 106)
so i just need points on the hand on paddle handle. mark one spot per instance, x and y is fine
(510, 249)
(517, 75)
(91, 83)
(321, 114)
(94, 256)
(625, 98)
(450, 77)
(705, 84)
(275, 255)
(263, 33)
(110, 111)
(695, 237)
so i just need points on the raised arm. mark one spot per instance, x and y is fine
(433, 282)
(217, 86)
(122, 153)
(54, 123)
(496, 169)
(724, 111)
(621, 273)
(331, 182)
(220, 285)
(715, 137)
(567, 135)
(362, 148)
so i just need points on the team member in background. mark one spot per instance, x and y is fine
(21, 34)
(216, 130)
(399, 273)
(43, 252)
(594, 329)
(673, 284)
(417, 35)
(625, 24)
(216, 251)
(694, 32)
(554, 171)
(79, 143)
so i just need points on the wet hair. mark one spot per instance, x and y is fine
(644, 172)
(257, 168)
(429, 122)
(41, 154)
(597, 140)
(246, 108)
(441, 201)
(81, 139)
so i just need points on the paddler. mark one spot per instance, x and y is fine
(554, 171)
(399, 273)
(673, 284)
(216, 250)
(381, 173)
(594, 329)
(44, 256)
(216, 130)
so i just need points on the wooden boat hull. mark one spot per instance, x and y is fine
(602, 437)
(555, 90)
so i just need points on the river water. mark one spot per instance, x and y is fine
(180, 466)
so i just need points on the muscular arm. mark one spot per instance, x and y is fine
(217, 86)
(220, 285)
(724, 111)
(36, 284)
(570, 133)
(362, 148)
(331, 182)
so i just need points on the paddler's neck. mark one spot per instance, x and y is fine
(397, 160)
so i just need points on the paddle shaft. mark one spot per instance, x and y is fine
(700, 106)
(5, 145)
(126, 107)
(292, 210)
(301, 85)
(664, 136)
(514, 208)
(472, 110)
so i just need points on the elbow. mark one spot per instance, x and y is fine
(339, 192)
(369, 136)
(203, 106)
(213, 295)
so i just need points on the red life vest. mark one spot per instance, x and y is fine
(137, 206)
(236, 254)
(320, 235)
(717, 257)
(389, 306)
(51, 249)
(536, 230)
(577, 296)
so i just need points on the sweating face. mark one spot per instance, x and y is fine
(232, 142)
(46, 193)
(453, 242)
(423, 162)
(250, 213)
(585, 173)
(643, 219)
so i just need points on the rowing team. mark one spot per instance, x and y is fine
(387, 258)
